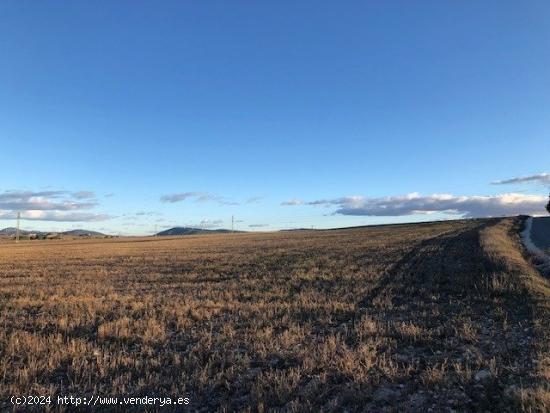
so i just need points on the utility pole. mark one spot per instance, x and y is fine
(232, 223)
(17, 230)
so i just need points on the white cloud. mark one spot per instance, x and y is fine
(203, 224)
(415, 203)
(196, 196)
(84, 195)
(45, 200)
(147, 213)
(59, 216)
(182, 196)
(293, 202)
(49, 206)
(207, 223)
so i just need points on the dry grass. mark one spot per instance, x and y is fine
(502, 244)
(403, 318)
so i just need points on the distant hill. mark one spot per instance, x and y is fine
(191, 231)
(83, 233)
(11, 231)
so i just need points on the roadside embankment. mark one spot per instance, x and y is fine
(538, 255)
(502, 244)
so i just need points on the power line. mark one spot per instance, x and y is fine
(17, 231)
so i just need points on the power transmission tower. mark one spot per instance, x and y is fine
(17, 230)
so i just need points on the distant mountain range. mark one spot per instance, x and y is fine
(192, 231)
(83, 232)
(11, 231)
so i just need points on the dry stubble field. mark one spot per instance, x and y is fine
(447, 316)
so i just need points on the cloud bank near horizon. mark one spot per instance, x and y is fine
(55, 205)
(415, 204)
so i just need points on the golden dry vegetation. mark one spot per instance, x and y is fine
(445, 316)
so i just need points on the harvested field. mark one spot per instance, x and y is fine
(447, 316)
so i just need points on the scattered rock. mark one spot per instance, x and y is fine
(310, 387)
(417, 400)
(402, 358)
(274, 362)
(511, 390)
(386, 394)
(254, 372)
(482, 375)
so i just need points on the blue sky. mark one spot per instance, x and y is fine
(284, 114)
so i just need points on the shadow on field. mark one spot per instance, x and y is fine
(465, 339)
